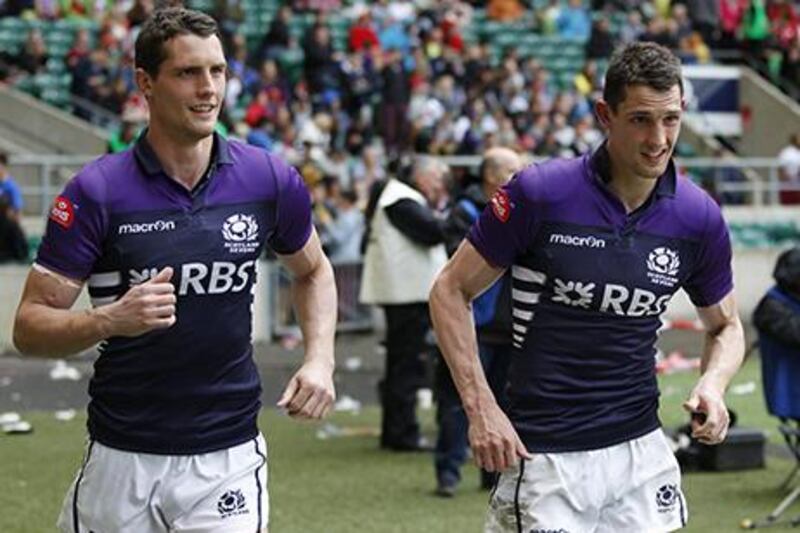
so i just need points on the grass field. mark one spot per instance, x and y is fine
(345, 484)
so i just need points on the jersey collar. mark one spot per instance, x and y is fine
(600, 166)
(220, 153)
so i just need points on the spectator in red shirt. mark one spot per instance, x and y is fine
(362, 34)
(784, 21)
(730, 18)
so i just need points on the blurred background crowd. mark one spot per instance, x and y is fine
(346, 90)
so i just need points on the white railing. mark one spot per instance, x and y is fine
(50, 172)
(757, 180)
(759, 183)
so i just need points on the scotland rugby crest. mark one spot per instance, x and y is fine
(232, 503)
(666, 496)
(241, 233)
(662, 266)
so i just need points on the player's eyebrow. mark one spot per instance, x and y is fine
(222, 65)
(645, 113)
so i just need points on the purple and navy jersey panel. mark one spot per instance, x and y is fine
(590, 282)
(193, 387)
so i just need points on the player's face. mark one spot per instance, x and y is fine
(643, 130)
(186, 97)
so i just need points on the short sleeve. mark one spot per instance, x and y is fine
(293, 223)
(505, 228)
(712, 278)
(73, 238)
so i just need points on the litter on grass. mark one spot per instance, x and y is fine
(65, 415)
(425, 399)
(17, 428)
(352, 364)
(11, 423)
(347, 404)
(9, 418)
(743, 389)
(676, 362)
(329, 430)
(62, 371)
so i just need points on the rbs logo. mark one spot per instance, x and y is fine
(198, 278)
(617, 299)
(621, 301)
(222, 277)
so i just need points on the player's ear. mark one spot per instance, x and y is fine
(144, 82)
(603, 112)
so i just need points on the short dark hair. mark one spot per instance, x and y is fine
(641, 63)
(350, 195)
(165, 24)
(3, 158)
(490, 166)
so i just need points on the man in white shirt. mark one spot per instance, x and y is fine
(789, 158)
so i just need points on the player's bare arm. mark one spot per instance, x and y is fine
(46, 326)
(494, 442)
(723, 353)
(310, 392)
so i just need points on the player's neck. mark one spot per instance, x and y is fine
(633, 191)
(185, 162)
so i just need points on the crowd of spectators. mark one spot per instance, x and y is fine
(411, 76)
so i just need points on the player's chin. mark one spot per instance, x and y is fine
(203, 129)
(652, 171)
(203, 126)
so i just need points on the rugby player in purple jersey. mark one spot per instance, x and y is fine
(597, 246)
(166, 237)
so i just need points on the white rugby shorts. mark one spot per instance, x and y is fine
(130, 492)
(632, 487)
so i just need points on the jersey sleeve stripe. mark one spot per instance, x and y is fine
(526, 274)
(522, 314)
(525, 296)
(105, 279)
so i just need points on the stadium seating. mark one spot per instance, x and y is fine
(563, 57)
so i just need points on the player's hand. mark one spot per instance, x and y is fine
(495, 444)
(710, 416)
(310, 393)
(145, 307)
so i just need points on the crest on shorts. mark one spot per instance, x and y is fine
(232, 503)
(666, 495)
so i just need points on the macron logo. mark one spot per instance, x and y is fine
(147, 227)
(582, 242)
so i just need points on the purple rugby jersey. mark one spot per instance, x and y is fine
(194, 387)
(589, 285)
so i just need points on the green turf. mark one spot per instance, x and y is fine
(344, 484)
